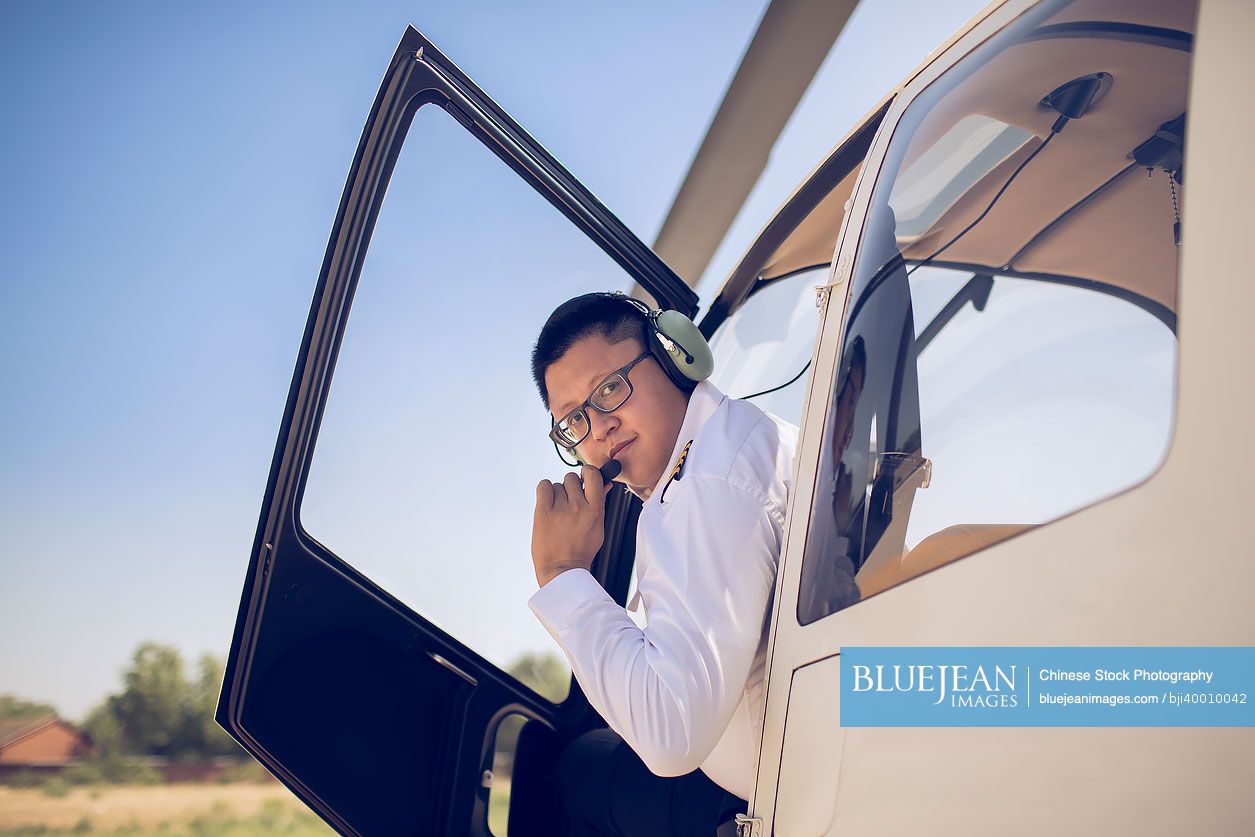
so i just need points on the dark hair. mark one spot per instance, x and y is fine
(575, 319)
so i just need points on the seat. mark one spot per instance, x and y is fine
(939, 548)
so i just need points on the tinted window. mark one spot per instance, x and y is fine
(1009, 349)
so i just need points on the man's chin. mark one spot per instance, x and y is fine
(631, 477)
(628, 476)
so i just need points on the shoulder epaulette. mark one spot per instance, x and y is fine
(677, 471)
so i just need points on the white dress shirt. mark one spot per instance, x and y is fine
(687, 691)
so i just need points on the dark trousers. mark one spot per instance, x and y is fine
(609, 791)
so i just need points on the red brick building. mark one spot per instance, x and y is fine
(44, 743)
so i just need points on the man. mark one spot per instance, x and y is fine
(687, 692)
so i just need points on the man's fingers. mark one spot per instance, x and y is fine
(594, 488)
(544, 494)
(571, 484)
(585, 487)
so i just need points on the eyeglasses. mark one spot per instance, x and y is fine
(606, 397)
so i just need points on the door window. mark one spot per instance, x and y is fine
(765, 345)
(1009, 349)
(434, 436)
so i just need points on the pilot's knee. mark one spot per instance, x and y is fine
(585, 768)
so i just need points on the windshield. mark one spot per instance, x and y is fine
(1009, 348)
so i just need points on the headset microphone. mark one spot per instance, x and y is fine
(610, 470)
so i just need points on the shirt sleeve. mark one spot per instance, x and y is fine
(707, 570)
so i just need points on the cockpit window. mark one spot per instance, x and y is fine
(950, 167)
(1009, 350)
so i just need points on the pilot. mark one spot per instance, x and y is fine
(683, 697)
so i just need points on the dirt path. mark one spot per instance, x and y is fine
(147, 806)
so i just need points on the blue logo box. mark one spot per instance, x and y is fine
(1048, 687)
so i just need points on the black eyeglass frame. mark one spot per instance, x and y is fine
(555, 435)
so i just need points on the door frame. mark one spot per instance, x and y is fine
(418, 75)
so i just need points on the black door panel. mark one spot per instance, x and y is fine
(378, 719)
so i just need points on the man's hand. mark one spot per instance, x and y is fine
(567, 529)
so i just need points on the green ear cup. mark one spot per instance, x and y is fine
(689, 350)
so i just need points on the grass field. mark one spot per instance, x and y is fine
(236, 810)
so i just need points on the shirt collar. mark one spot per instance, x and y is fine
(703, 401)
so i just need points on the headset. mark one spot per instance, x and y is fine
(674, 341)
(677, 344)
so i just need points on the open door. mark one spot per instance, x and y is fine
(386, 590)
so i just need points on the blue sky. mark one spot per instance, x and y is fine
(171, 174)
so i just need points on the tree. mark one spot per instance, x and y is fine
(212, 738)
(154, 702)
(12, 706)
(544, 672)
(105, 731)
(161, 712)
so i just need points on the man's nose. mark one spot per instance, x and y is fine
(600, 424)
